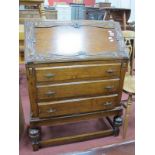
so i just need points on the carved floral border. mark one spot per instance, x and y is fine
(32, 56)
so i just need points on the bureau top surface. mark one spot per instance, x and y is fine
(59, 41)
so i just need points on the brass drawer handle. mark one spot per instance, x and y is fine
(109, 87)
(110, 71)
(51, 110)
(108, 103)
(49, 75)
(50, 93)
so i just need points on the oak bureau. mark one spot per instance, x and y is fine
(75, 72)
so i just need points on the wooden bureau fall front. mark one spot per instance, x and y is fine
(75, 72)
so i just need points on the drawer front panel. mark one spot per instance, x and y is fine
(75, 106)
(77, 72)
(78, 89)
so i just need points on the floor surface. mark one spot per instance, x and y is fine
(125, 149)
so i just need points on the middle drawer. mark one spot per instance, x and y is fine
(77, 89)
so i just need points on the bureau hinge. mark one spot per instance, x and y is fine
(124, 64)
(31, 71)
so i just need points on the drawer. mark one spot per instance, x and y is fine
(63, 73)
(77, 89)
(75, 106)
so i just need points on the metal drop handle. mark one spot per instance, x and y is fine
(110, 71)
(51, 110)
(49, 93)
(49, 75)
(108, 103)
(108, 87)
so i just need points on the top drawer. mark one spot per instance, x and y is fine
(64, 73)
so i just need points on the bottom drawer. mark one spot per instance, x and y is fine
(75, 106)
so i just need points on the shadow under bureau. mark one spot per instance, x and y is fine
(75, 72)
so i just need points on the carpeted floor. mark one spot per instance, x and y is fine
(47, 132)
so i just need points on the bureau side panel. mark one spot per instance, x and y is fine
(32, 90)
(122, 75)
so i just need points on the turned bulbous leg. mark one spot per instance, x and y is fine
(35, 135)
(117, 122)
